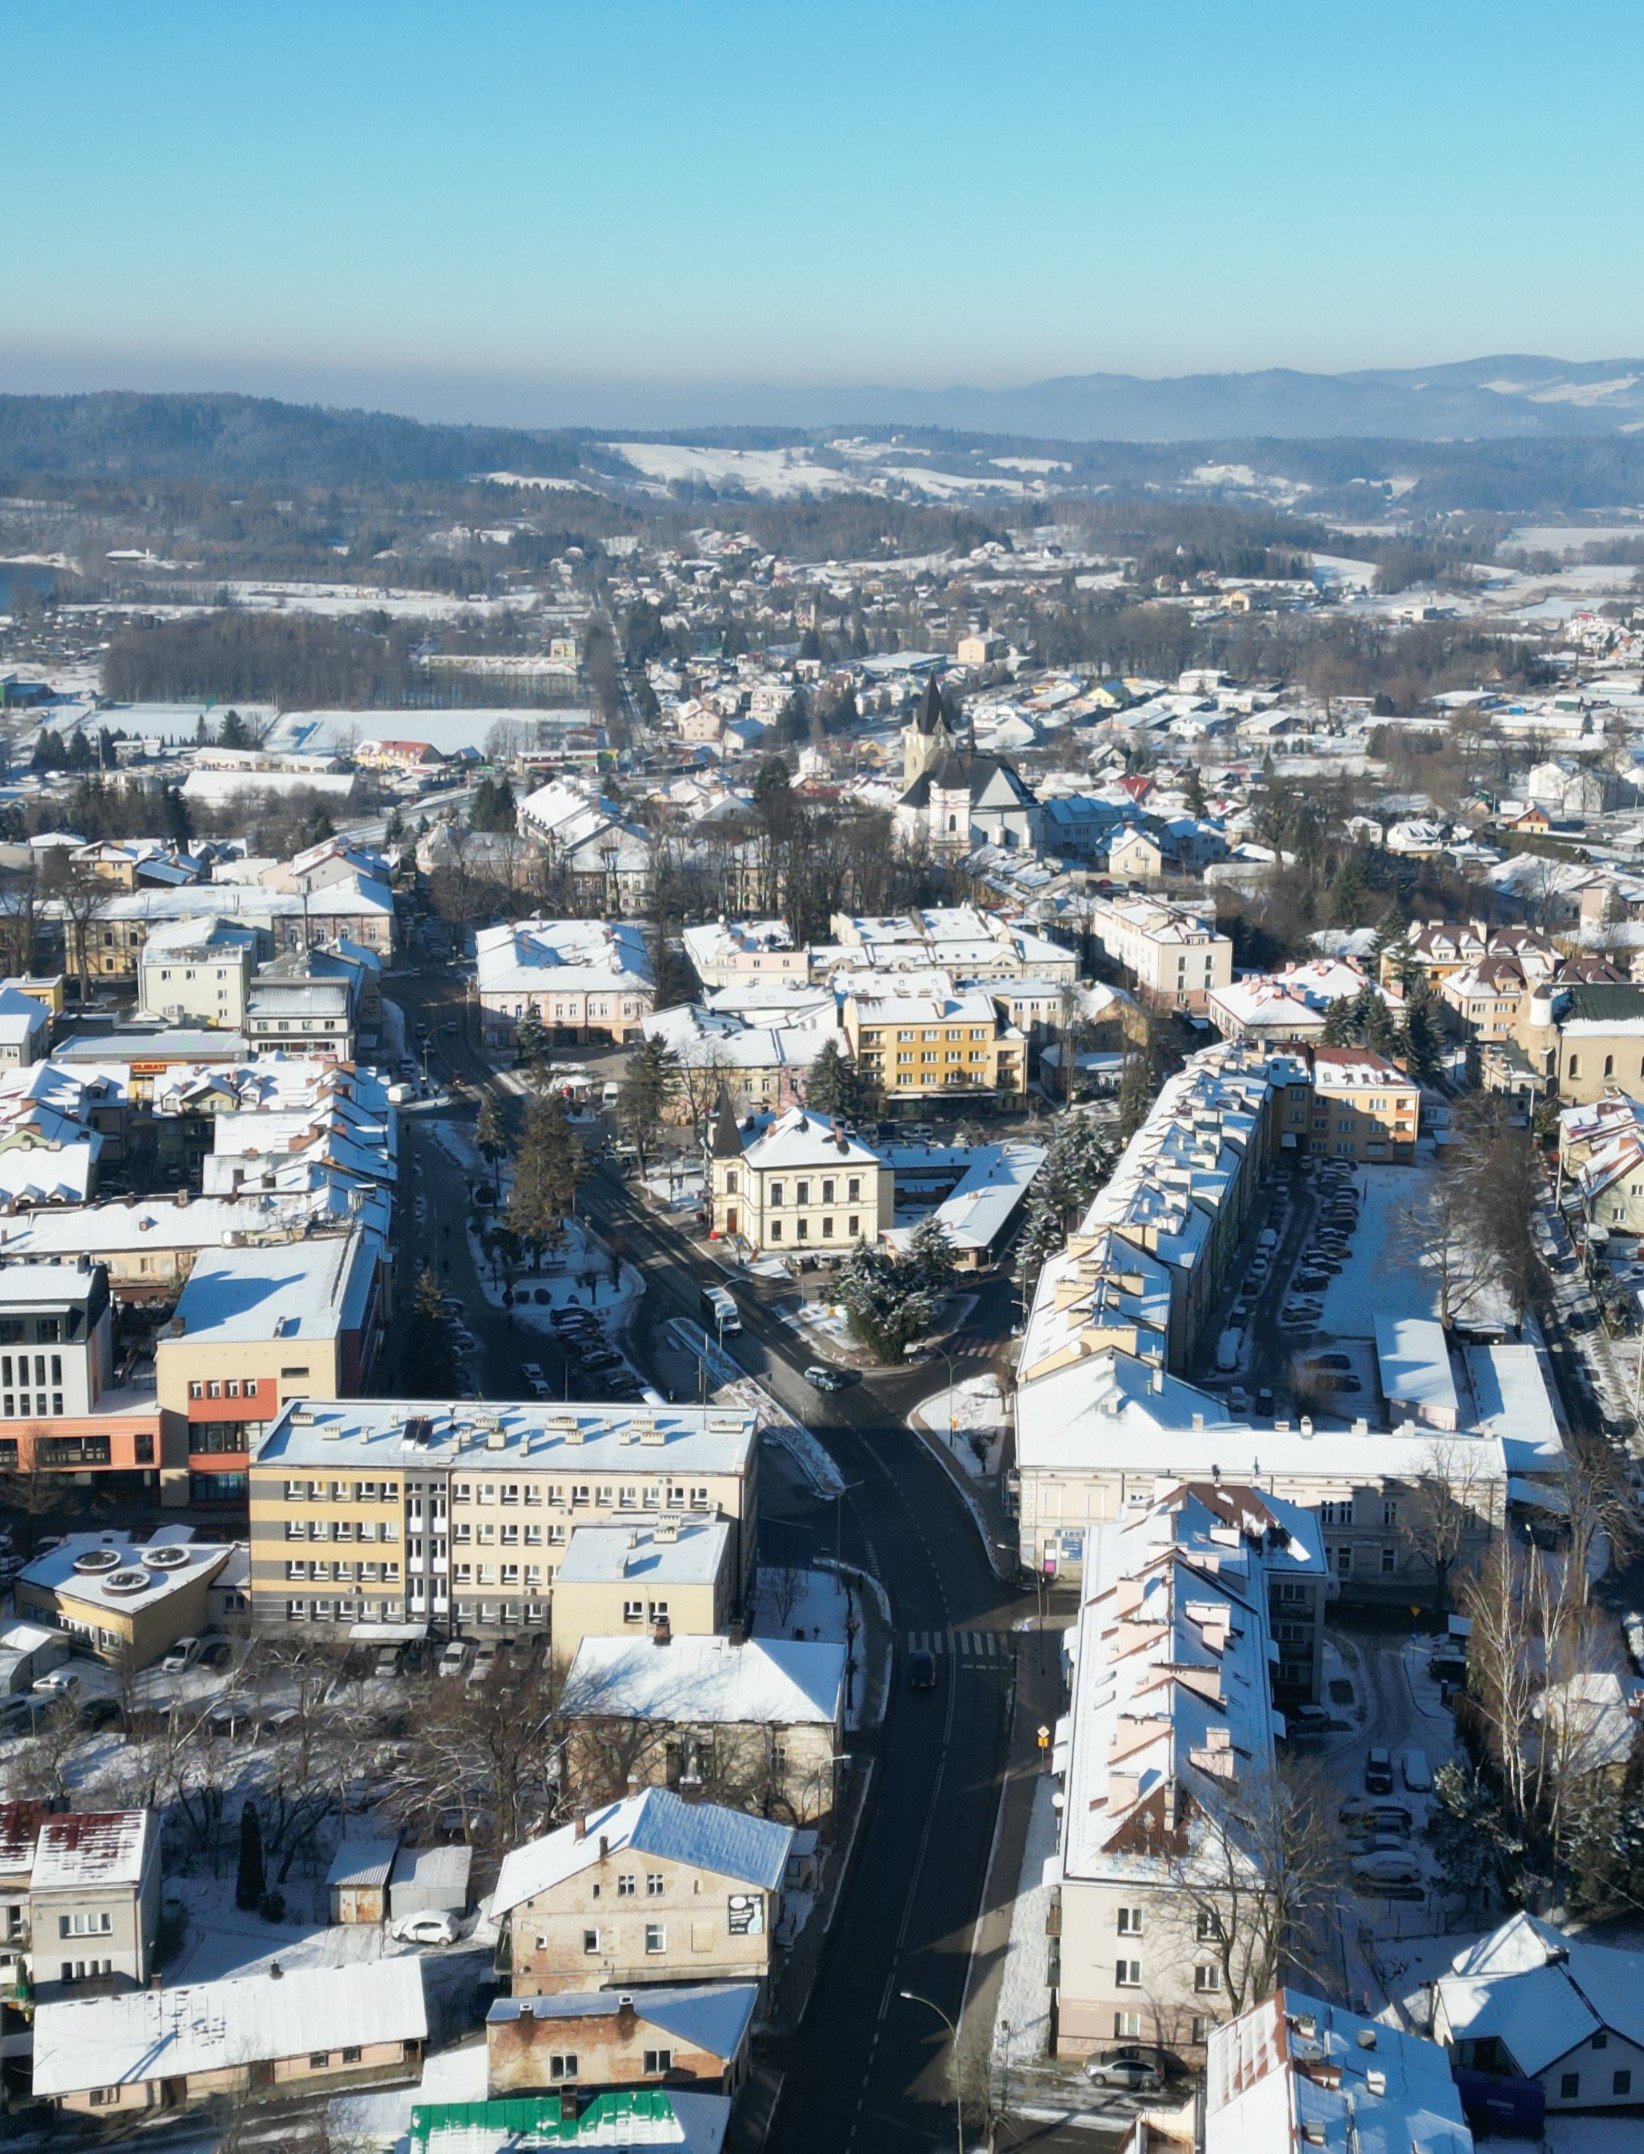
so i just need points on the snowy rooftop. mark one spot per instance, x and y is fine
(291, 1290)
(98, 1847)
(694, 1554)
(1414, 1360)
(727, 1843)
(800, 1139)
(1512, 1402)
(713, 1680)
(408, 1434)
(1293, 2071)
(529, 955)
(114, 1570)
(209, 2026)
(1540, 1991)
(976, 1212)
(714, 2016)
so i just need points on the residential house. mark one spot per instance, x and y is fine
(695, 2038)
(580, 979)
(914, 1048)
(198, 971)
(25, 1028)
(294, 2030)
(653, 1889)
(1364, 1108)
(1174, 953)
(93, 1903)
(663, 1580)
(766, 1716)
(1534, 2002)
(737, 952)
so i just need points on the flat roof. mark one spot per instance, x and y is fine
(1414, 1359)
(693, 1555)
(449, 1435)
(298, 1291)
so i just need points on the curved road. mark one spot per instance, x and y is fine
(867, 2073)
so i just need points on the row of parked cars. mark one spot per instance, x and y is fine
(1324, 1255)
(583, 1339)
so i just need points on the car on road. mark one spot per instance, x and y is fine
(429, 1928)
(1135, 2075)
(1388, 1866)
(922, 1670)
(824, 1379)
(1378, 1771)
(454, 1659)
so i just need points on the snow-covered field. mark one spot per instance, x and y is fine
(1385, 1274)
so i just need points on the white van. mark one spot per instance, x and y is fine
(610, 1095)
(1227, 1351)
(1418, 1774)
(1268, 1240)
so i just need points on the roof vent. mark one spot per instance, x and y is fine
(649, 1433)
(495, 1440)
(1367, 2038)
(127, 1582)
(167, 1557)
(98, 1559)
(1312, 2131)
(1376, 2082)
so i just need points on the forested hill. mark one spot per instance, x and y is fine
(123, 435)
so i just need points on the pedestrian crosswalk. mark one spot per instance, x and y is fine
(964, 1645)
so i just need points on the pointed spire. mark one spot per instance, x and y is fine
(932, 711)
(727, 1137)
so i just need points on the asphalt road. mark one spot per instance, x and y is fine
(867, 2070)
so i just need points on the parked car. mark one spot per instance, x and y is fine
(1332, 1380)
(1388, 1866)
(99, 1712)
(60, 1683)
(486, 1659)
(216, 1652)
(824, 1379)
(387, 1662)
(922, 1670)
(428, 1928)
(454, 1660)
(1264, 1399)
(1378, 1771)
(182, 1655)
(1308, 1719)
(531, 1371)
(1416, 1772)
(1238, 1400)
(1371, 1811)
(1137, 2075)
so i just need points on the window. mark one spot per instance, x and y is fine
(1127, 1974)
(1130, 1922)
(776, 1230)
(102, 2096)
(776, 1192)
(627, 1886)
(590, 1942)
(1569, 2085)
(318, 2059)
(1208, 1926)
(562, 2065)
(1389, 1562)
(655, 1884)
(656, 1937)
(1575, 1071)
(827, 1190)
(1621, 2083)
(659, 2061)
(1609, 1065)
(730, 1183)
(1336, 1514)
(1206, 1980)
(1203, 2022)
(351, 2056)
(1389, 1511)
(1126, 2023)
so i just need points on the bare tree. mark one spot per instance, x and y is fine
(1448, 1508)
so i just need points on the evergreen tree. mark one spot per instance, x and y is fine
(1137, 1087)
(429, 1366)
(235, 732)
(651, 1075)
(832, 1087)
(493, 806)
(887, 1302)
(1194, 791)
(249, 1879)
(1340, 1022)
(929, 1256)
(531, 1042)
(1350, 897)
(1421, 1040)
(490, 1139)
(1374, 1021)
(547, 1174)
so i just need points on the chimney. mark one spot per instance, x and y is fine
(633, 1784)
(582, 1827)
(735, 1633)
(663, 1633)
(604, 1848)
(276, 1972)
(627, 2019)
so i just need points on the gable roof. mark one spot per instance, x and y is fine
(775, 1681)
(704, 1836)
(713, 2016)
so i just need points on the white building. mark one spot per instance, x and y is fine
(579, 978)
(1175, 953)
(1534, 2002)
(199, 971)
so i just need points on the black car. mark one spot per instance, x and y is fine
(1378, 1772)
(922, 1670)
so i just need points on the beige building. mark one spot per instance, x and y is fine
(198, 972)
(303, 2029)
(1364, 1108)
(653, 1889)
(803, 1184)
(667, 1579)
(915, 1047)
(695, 2037)
(125, 1600)
(459, 1514)
(94, 1901)
(578, 978)
(759, 1722)
(1174, 953)
(1582, 1039)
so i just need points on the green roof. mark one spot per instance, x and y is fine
(540, 2119)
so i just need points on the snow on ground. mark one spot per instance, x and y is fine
(681, 1190)
(1022, 2030)
(1385, 1274)
(777, 1423)
(223, 1939)
(814, 1604)
(972, 1408)
(760, 471)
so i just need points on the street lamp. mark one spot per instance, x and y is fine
(913, 1997)
(953, 1419)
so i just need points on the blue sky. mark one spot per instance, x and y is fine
(454, 208)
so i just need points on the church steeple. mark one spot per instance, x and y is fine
(927, 736)
(727, 1142)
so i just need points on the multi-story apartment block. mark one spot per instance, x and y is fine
(254, 1329)
(740, 953)
(458, 1514)
(801, 1185)
(1176, 956)
(964, 940)
(1442, 949)
(198, 972)
(1171, 1715)
(919, 1047)
(579, 978)
(1364, 1108)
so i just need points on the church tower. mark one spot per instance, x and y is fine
(926, 737)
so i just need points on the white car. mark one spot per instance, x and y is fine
(426, 1929)
(60, 1683)
(1388, 1866)
(531, 1371)
(182, 1655)
(454, 1660)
